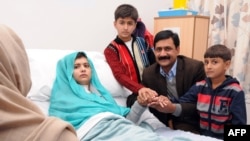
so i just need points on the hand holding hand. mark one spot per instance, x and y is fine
(146, 96)
(162, 104)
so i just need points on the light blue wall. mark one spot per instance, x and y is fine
(71, 24)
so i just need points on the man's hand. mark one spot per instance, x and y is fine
(146, 96)
(162, 104)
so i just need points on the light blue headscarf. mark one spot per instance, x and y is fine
(69, 100)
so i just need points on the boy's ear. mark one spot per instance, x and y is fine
(228, 63)
(115, 23)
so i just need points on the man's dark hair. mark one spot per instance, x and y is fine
(166, 34)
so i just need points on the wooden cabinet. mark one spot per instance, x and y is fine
(192, 30)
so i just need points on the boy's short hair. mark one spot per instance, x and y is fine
(126, 10)
(220, 51)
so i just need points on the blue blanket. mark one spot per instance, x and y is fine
(117, 128)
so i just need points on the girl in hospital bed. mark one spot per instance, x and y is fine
(79, 98)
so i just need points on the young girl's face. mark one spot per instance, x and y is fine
(82, 71)
(125, 27)
(216, 67)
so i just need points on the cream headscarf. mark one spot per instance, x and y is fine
(20, 119)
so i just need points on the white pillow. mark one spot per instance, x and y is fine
(106, 76)
(43, 67)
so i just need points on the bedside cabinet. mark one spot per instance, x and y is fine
(192, 30)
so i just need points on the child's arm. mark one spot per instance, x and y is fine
(135, 112)
(119, 71)
(188, 102)
(238, 109)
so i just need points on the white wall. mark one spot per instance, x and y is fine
(71, 24)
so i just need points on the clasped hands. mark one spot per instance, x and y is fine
(148, 97)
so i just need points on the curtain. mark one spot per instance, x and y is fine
(230, 25)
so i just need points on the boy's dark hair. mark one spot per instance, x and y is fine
(220, 51)
(166, 34)
(126, 10)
